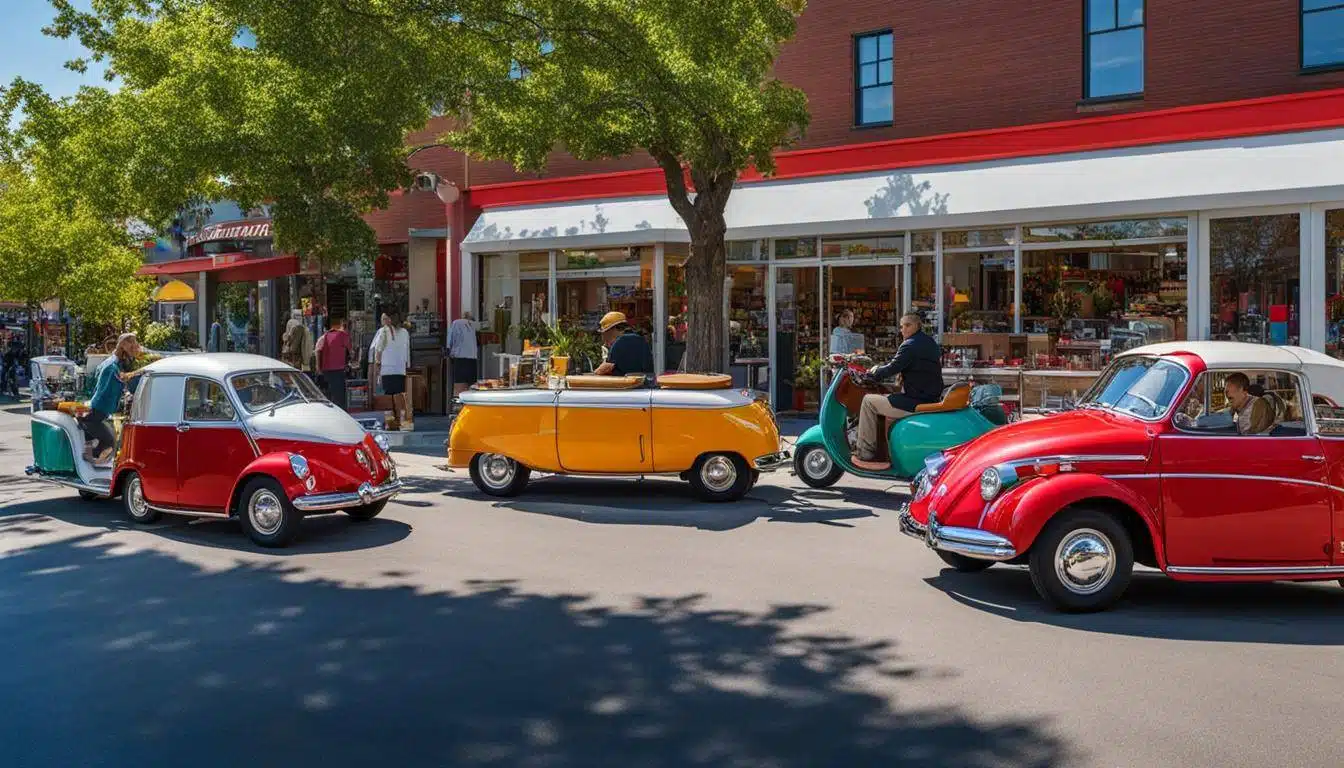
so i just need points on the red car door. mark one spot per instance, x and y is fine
(1245, 500)
(212, 447)
(153, 450)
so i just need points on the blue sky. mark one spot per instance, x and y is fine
(26, 52)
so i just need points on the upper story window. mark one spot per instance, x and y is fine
(1113, 48)
(872, 79)
(1322, 33)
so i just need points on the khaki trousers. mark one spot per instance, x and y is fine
(875, 411)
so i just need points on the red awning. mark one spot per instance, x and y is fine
(227, 270)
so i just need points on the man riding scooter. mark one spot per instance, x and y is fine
(919, 363)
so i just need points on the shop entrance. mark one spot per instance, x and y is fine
(873, 295)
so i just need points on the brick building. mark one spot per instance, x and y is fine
(1046, 183)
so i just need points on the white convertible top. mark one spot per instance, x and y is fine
(1325, 373)
(215, 365)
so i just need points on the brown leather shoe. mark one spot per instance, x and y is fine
(872, 466)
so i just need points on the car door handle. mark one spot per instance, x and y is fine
(1309, 457)
(641, 449)
(182, 426)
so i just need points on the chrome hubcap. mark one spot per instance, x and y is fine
(136, 496)
(1085, 561)
(817, 463)
(497, 471)
(265, 512)
(719, 474)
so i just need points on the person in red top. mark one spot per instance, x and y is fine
(333, 354)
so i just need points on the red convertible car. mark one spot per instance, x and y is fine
(1211, 461)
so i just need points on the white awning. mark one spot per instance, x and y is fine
(1264, 170)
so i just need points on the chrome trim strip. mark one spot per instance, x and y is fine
(1213, 476)
(187, 512)
(1187, 436)
(1305, 570)
(1075, 459)
(367, 494)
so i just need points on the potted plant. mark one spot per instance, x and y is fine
(562, 345)
(806, 379)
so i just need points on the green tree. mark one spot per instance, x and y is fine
(50, 250)
(310, 112)
(689, 82)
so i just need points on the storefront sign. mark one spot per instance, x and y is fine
(233, 230)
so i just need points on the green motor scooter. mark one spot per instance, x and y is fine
(823, 453)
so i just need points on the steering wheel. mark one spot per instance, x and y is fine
(1145, 400)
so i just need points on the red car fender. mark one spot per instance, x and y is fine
(272, 465)
(1040, 499)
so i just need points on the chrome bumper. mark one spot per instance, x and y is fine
(771, 462)
(367, 494)
(971, 542)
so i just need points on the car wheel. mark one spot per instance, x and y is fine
(498, 475)
(367, 511)
(815, 466)
(720, 477)
(1082, 561)
(266, 514)
(133, 499)
(964, 564)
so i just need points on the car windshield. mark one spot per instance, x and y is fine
(1144, 387)
(264, 389)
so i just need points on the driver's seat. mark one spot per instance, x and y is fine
(957, 397)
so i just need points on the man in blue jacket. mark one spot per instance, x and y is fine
(919, 361)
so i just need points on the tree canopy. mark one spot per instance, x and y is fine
(50, 250)
(306, 104)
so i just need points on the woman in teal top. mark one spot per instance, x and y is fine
(112, 376)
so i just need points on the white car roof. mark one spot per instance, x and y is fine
(215, 365)
(1238, 354)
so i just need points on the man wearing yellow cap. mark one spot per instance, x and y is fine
(628, 353)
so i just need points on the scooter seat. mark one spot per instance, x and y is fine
(74, 436)
(958, 396)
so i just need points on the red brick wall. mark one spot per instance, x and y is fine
(973, 64)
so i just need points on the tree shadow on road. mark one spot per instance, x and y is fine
(142, 659)
(1160, 607)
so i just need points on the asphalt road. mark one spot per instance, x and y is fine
(619, 624)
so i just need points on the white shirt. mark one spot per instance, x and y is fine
(395, 348)
(462, 339)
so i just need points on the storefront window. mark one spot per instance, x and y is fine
(924, 293)
(534, 289)
(977, 238)
(1081, 307)
(803, 248)
(1334, 282)
(748, 326)
(872, 295)
(596, 282)
(746, 250)
(798, 362)
(1255, 279)
(978, 308)
(923, 242)
(1129, 229)
(863, 247)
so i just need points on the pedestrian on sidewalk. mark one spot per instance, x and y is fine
(333, 356)
(392, 353)
(463, 353)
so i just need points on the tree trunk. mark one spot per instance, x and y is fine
(705, 273)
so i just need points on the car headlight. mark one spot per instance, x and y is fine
(382, 442)
(991, 482)
(299, 466)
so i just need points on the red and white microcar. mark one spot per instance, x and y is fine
(233, 435)
(1151, 468)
